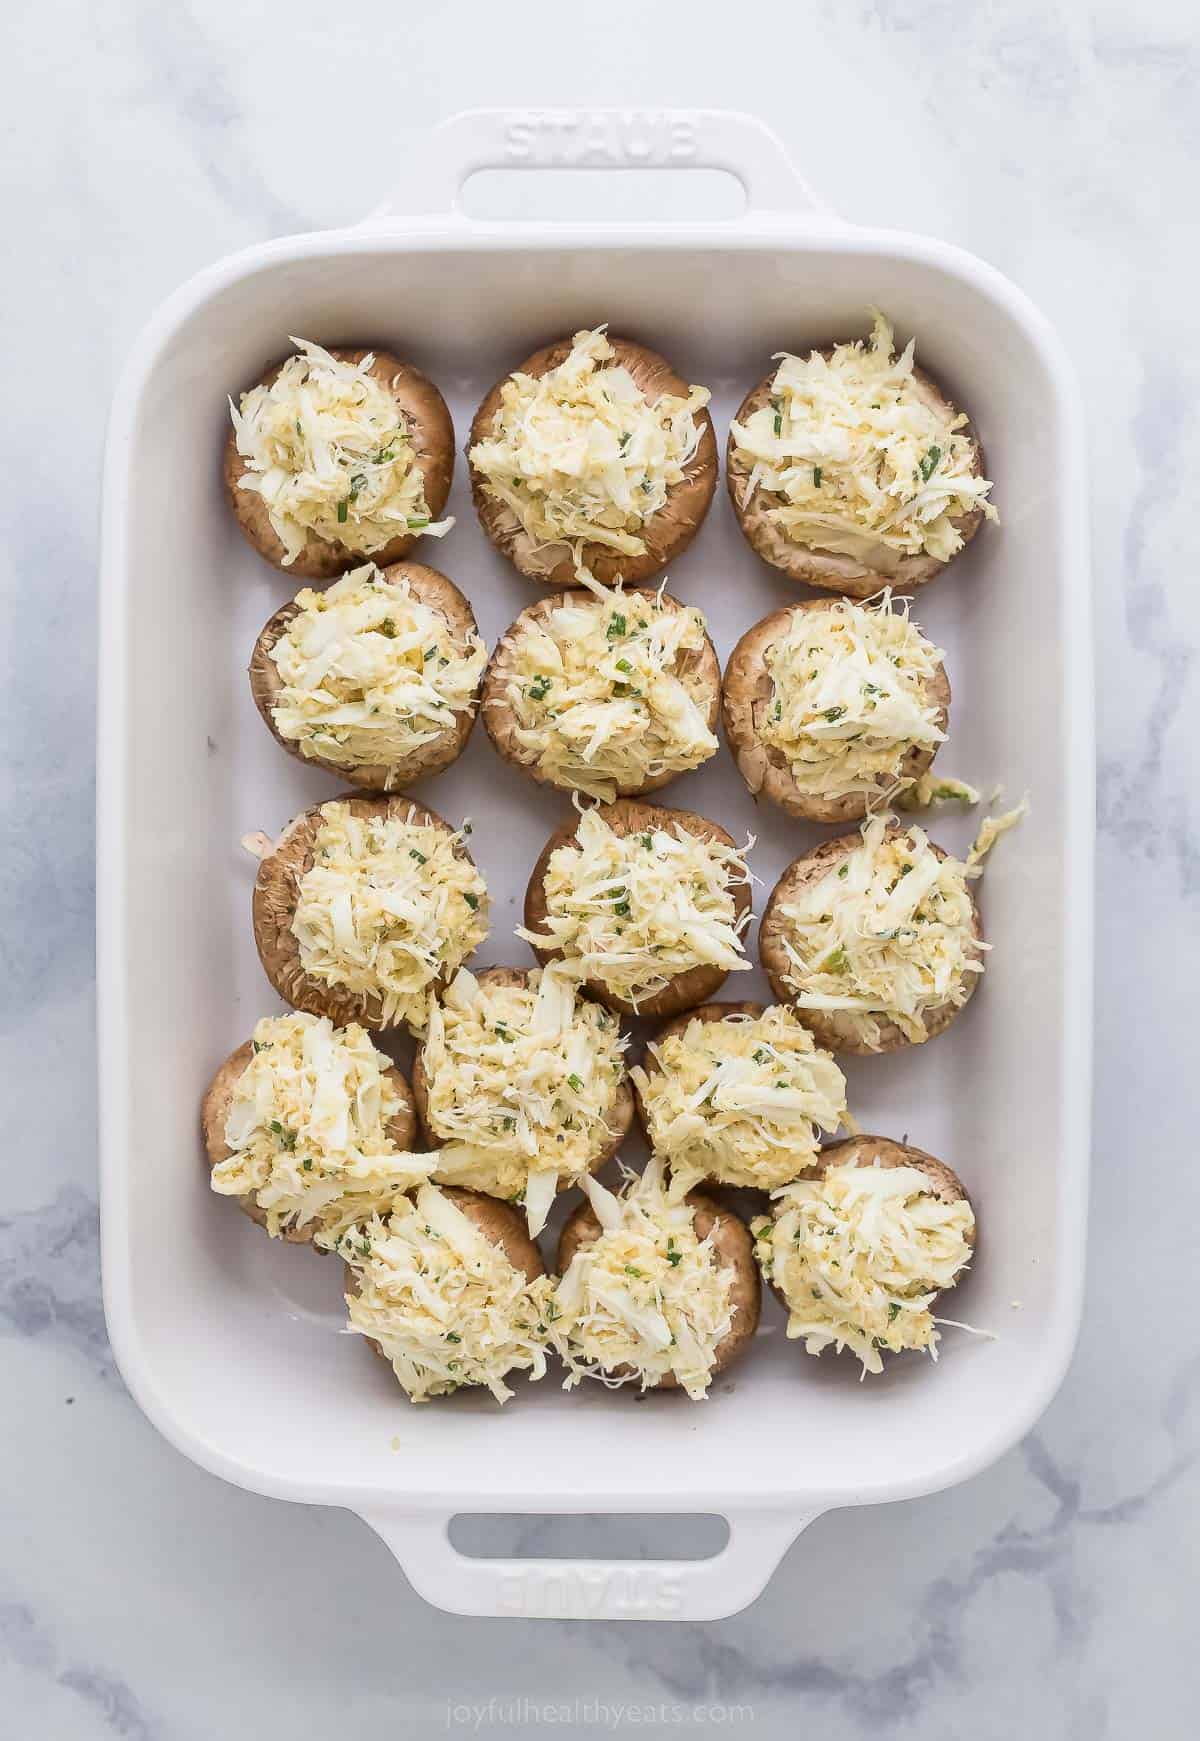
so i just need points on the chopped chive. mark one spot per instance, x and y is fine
(421, 858)
(616, 627)
(930, 464)
(471, 900)
(342, 512)
(575, 1082)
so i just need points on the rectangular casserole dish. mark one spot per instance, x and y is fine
(233, 1347)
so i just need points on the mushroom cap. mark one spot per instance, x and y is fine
(701, 666)
(620, 1115)
(277, 891)
(214, 1111)
(746, 696)
(429, 587)
(835, 1029)
(734, 1250)
(665, 535)
(848, 575)
(432, 433)
(629, 816)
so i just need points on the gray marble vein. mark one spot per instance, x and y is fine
(1053, 1595)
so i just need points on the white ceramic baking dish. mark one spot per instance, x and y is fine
(234, 1347)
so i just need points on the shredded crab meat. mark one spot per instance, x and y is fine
(369, 673)
(608, 692)
(859, 1256)
(929, 789)
(850, 697)
(990, 831)
(852, 454)
(521, 1085)
(580, 455)
(647, 1299)
(886, 935)
(634, 911)
(445, 1305)
(307, 1124)
(388, 909)
(331, 453)
(741, 1100)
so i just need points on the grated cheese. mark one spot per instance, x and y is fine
(387, 909)
(330, 452)
(853, 456)
(308, 1123)
(859, 1256)
(580, 455)
(369, 673)
(634, 911)
(522, 1083)
(850, 697)
(647, 1298)
(604, 693)
(886, 935)
(445, 1304)
(740, 1100)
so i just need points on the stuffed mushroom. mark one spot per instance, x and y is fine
(647, 905)
(449, 1289)
(376, 678)
(336, 455)
(365, 907)
(653, 1292)
(859, 1251)
(593, 457)
(831, 707)
(309, 1128)
(848, 468)
(610, 693)
(737, 1094)
(874, 938)
(520, 1085)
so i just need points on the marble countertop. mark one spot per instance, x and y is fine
(1051, 1596)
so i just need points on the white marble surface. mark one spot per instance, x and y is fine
(1050, 1597)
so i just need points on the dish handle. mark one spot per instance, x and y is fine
(587, 1589)
(446, 156)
